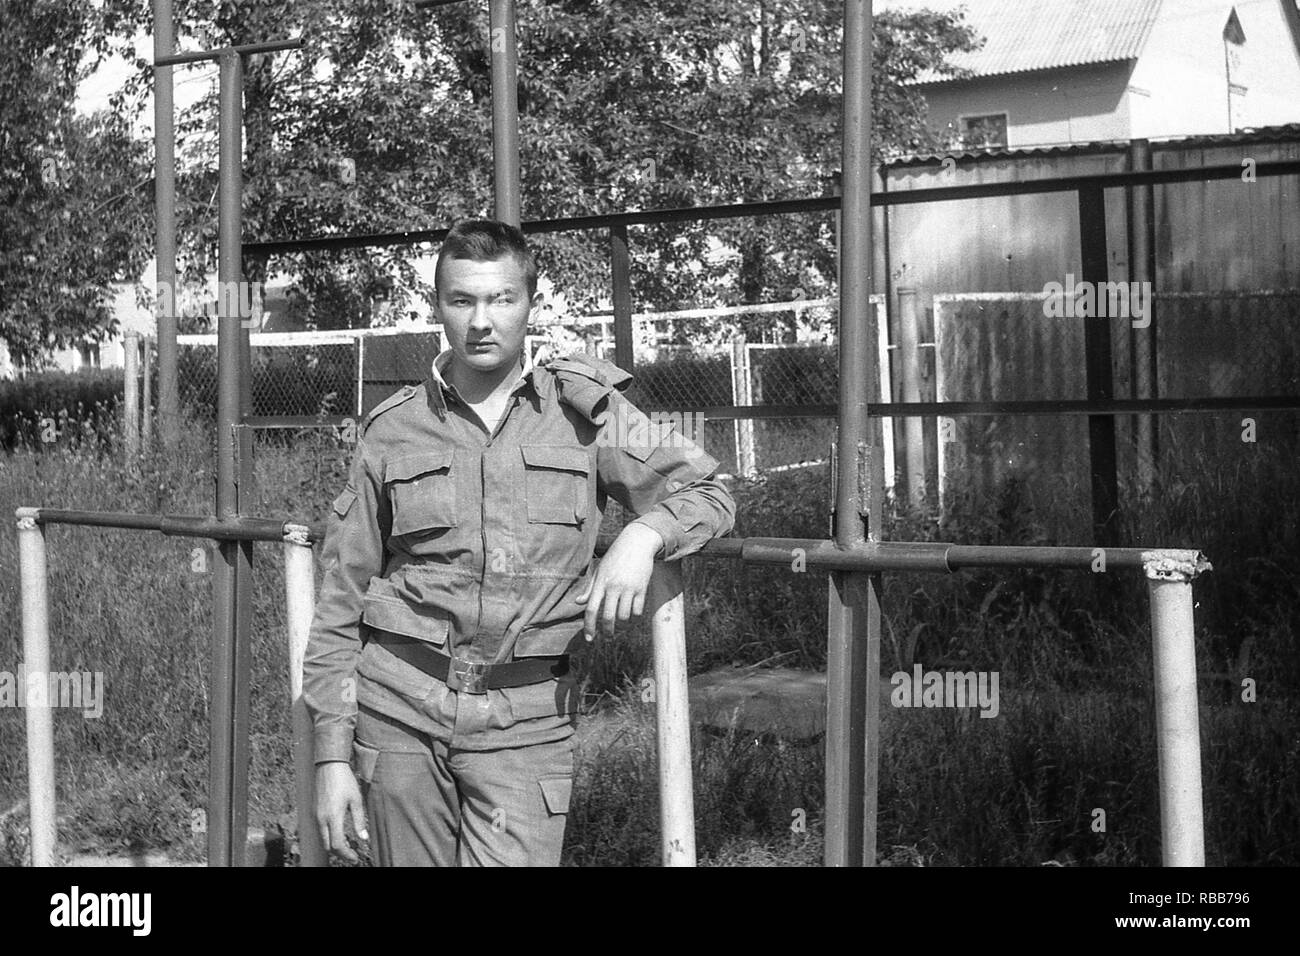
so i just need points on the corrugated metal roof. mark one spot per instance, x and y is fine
(1289, 132)
(1023, 35)
(990, 153)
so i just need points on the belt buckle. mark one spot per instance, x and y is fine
(470, 676)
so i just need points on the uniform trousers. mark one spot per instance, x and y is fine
(429, 803)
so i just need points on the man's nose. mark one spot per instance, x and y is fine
(479, 320)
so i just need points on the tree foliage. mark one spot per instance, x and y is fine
(623, 105)
(74, 215)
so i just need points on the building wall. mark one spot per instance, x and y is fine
(1274, 62)
(1051, 107)
(1178, 87)
(1183, 68)
(110, 352)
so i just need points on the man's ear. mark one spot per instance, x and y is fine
(536, 303)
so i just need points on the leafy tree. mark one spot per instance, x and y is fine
(74, 212)
(682, 103)
(622, 105)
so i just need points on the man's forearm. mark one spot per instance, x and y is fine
(691, 517)
(329, 689)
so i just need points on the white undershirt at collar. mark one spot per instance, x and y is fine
(443, 359)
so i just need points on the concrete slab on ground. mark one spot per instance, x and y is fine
(782, 701)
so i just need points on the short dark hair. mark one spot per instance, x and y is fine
(484, 240)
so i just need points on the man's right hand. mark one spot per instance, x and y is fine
(337, 795)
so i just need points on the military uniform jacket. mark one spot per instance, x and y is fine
(479, 544)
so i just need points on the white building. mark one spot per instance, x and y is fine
(1059, 72)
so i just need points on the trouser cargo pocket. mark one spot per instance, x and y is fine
(364, 760)
(556, 792)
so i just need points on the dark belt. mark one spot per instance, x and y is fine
(472, 677)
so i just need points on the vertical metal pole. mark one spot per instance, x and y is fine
(1178, 732)
(243, 661)
(228, 768)
(909, 367)
(742, 394)
(165, 226)
(672, 714)
(885, 391)
(146, 424)
(620, 268)
(1096, 346)
(505, 111)
(299, 605)
(853, 640)
(35, 599)
(1142, 341)
(245, 371)
(361, 375)
(131, 395)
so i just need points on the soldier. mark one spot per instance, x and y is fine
(458, 576)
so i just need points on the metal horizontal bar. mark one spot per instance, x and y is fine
(297, 421)
(1116, 406)
(1112, 406)
(176, 59)
(198, 56)
(757, 412)
(424, 4)
(724, 413)
(1149, 177)
(274, 340)
(407, 237)
(932, 556)
(188, 526)
(903, 197)
(801, 552)
(570, 224)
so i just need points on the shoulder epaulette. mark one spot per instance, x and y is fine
(584, 381)
(589, 366)
(404, 394)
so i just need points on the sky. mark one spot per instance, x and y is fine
(189, 83)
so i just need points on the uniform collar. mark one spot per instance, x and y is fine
(439, 365)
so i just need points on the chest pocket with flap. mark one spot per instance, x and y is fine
(555, 483)
(422, 491)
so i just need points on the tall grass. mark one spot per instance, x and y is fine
(1072, 649)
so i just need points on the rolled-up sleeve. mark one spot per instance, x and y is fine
(353, 554)
(663, 477)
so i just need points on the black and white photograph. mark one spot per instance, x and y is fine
(756, 434)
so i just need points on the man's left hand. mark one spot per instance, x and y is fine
(618, 589)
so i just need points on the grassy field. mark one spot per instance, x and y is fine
(1074, 733)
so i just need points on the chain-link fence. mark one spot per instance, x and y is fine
(723, 371)
(688, 360)
(326, 374)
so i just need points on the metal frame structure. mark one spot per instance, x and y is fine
(854, 557)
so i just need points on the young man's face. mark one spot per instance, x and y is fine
(484, 306)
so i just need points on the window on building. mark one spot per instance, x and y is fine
(979, 131)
